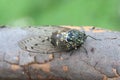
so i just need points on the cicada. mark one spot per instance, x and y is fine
(58, 41)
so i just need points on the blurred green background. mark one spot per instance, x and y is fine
(100, 13)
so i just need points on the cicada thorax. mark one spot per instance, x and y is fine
(68, 40)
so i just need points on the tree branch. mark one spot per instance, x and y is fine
(19, 61)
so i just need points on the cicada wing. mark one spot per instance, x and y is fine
(37, 44)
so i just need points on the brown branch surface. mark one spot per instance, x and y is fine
(101, 63)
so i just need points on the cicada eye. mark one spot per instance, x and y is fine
(69, 37)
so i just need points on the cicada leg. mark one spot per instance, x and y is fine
(93, 37)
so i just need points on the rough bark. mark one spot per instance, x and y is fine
(101, 63)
